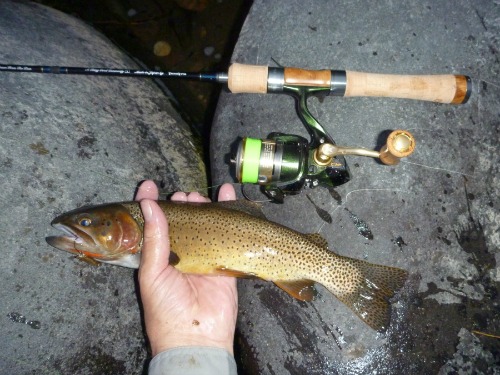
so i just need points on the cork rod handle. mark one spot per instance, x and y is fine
(446, 88)
(247, 78)
(454, 89)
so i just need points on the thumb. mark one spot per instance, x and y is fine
(156, 243)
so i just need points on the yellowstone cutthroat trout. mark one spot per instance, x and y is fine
(233, 239)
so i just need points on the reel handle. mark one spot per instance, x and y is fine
(448, 88)
(400, 144)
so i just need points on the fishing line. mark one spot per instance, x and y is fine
(479, 108)
(485, 334)
(411, 163)
(437, 168)
(201, 189)
(490, 83)
(356, 191)
(197, 189)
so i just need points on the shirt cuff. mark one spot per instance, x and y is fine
(193, 360)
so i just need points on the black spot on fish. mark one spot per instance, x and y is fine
(323, 214)
(173, 258)
(361, 226)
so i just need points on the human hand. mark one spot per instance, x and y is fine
(181, 309)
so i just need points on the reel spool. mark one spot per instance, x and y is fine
(266, 161)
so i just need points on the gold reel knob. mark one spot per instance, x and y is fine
(400, 144)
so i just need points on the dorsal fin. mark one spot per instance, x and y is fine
(318, 239)
(245, 206)
(302, 289)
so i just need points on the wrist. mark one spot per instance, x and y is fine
(170, 342)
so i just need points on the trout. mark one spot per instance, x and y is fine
(233, 239)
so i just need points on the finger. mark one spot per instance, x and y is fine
(227, 193)
(197, 197)
(147, 190)
(156, 245)
(179, 197)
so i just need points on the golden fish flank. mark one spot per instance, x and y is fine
(234, 239)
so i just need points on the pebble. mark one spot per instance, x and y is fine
(208, 51)
(162, 48)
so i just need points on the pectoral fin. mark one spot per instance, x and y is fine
(303, 289)
(222, 271)
(88, 260)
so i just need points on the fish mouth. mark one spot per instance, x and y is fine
(74, 241)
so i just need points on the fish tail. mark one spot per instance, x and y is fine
(366, 289)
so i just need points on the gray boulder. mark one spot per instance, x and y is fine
(436, 214)
(66, 141)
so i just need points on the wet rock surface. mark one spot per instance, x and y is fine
(67, 141)
(436, 214)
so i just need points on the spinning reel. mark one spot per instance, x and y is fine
(285, 164)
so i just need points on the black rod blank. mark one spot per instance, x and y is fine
(117, 72)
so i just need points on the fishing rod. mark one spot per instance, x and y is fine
(241, 78)
(285, 164)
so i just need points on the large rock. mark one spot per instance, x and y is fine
(436, 214)
(66, 141)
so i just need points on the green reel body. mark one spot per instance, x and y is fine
(284, 164)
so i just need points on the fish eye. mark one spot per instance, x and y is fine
(85, 222)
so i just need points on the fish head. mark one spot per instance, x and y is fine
(104, 233)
